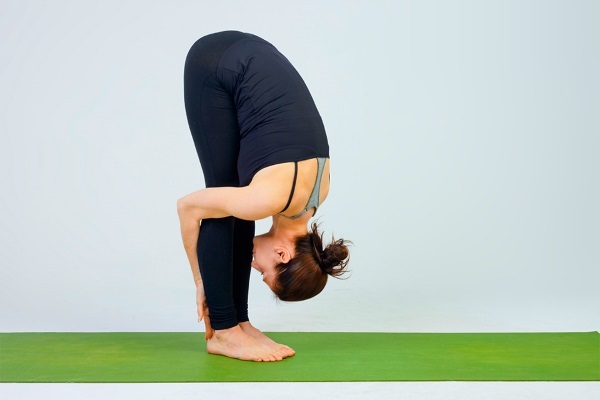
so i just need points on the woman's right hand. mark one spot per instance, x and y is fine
(203, 310)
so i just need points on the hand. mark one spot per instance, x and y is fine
(203, 310)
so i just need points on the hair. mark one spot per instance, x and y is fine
(305, 275)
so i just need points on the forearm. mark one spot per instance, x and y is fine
(190, 230)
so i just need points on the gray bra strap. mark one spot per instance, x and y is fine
(313, 201)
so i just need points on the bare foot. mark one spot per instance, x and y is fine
(235, 343)
(281, 349)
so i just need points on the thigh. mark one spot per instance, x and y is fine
(216, 134)
(211, 111)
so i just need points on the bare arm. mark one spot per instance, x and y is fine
(190, 230)
(250, 203)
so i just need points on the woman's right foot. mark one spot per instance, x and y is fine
(281, 349)
(235, 343)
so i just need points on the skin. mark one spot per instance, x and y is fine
(277, 246)
(264, 197)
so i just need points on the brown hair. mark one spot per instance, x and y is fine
(305, 275)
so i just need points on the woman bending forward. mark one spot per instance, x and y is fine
(264, 153)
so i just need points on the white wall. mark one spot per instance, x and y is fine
(464, 142)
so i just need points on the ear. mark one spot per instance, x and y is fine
(283, 253)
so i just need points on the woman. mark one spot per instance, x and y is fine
(264, 152)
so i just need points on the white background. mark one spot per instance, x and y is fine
(464, 143)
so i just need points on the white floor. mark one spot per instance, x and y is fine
(293, 391)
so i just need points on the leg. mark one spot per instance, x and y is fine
(242, 257)
(212, 120)
(218, 148)
(213, 124)
(216, 271)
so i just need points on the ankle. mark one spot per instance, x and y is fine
(223, 333)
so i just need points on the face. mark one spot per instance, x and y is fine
(266, 255)
(263, 259)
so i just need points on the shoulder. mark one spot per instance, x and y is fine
(265, 196)
(273, 185)
(256, 201)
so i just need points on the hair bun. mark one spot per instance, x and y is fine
(334, 258)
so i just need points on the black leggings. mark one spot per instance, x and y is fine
(224, 244)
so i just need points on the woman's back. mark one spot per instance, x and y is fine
(279, 180)
(277, 117)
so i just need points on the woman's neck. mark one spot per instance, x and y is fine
(290, 228)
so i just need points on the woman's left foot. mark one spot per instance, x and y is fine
(282, 349)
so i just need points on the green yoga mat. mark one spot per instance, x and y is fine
(182, 357)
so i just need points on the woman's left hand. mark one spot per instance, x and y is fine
(203, 310)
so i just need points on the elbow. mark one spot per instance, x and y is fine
(187, 210)
(181, 205)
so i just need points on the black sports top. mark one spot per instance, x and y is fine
(277, 116)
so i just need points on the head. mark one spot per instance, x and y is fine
(297, 269)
